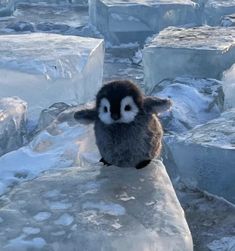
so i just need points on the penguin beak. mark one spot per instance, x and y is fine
(115, 116)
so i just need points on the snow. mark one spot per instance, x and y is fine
(195, 101)
(12, 124)
(169, 54)
(99, 220)
(64, 220)
(204, 156)
(134, 20)
(42, 216)
(43, 153)
(31, 230)
(229, 87)
(58, 69)
(111, 208)
(6, 7)
(20, 244)
(224, 244)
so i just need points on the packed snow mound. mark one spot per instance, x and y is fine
(204, 156)
(44, 69)
(58, 146)
(96, 208)
(134, 20)
(229, 87)
(195, 101)
(169, 54)
(12, 124)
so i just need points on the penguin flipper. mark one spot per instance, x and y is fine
(88, 115)
(156, 105)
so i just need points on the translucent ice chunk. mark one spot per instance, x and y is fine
(12, 124)
(6, 7)
(47, 68)
(204, 156)
(229, 87)
(214, 10)
(152, 220)
(203, 52)
(133, 20)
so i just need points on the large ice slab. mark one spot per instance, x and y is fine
(203, 52)
(95, 208)
(229, 87)
(214, 10)
(205, 156)
(44, 69)
(6, 7)
(12, 124)
(195, 101)
(55, 2)
(57, 18)
(133, 20)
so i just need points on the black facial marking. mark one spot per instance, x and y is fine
(115, 91)
(105, 109)
(127, 108)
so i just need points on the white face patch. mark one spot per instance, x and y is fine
(128, 110)
(104, 112)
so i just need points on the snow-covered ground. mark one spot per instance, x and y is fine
(62, 155)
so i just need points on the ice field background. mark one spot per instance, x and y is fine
(54, 56)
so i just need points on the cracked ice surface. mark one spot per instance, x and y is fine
(44, 69)
(205, 156)
(98, 219)
(202, 52)
(134, 20)
(12, 124)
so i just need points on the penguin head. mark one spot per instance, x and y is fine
(119, 102)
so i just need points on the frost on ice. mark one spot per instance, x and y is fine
(195, 101)
(12, 124)
(50, 68)
(169, 54)
(45, 151)
(97, 220)
(133, 20)
(204, 156)
(229, 87)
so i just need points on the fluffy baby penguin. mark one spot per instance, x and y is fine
(127, 130)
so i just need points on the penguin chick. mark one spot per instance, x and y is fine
(127, 130)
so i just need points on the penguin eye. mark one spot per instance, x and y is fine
(105, 109)
(127, 108)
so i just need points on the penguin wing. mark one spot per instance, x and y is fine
(86, 115)
(156, 105)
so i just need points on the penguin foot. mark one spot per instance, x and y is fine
(104, 162)
(143, 164)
